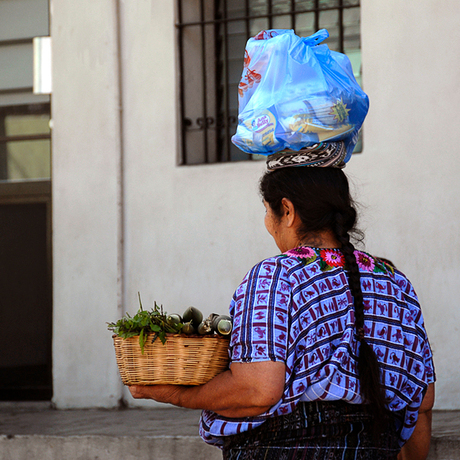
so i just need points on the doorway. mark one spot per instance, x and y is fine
(25, 254)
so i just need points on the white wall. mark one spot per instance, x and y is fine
(85, 171)
(408, 173)
(191, 233)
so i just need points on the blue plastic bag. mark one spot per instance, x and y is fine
(295, 93)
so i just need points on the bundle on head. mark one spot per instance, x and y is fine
(321, 197)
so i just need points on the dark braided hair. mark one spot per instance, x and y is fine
(321, 197)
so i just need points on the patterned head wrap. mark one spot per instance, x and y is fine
(322, 155)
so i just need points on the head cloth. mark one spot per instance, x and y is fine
(322, 155)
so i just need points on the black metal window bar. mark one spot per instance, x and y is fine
(212, 35)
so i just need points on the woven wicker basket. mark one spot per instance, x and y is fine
(182, 360)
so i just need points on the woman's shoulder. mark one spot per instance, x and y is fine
(376, 264)
(386, 277)
(315, 261)
(271, 265)
(331, 258)
(296, 265)
(273, 271)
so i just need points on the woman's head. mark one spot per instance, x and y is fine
(320, 196)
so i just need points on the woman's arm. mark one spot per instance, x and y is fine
(245, 390)
(418, 445)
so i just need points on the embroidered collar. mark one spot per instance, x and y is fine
(331, 258)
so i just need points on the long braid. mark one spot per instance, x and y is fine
(368, 367)
(321, 197)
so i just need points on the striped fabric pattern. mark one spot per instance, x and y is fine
(297, 308)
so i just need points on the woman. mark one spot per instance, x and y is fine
(329, 355)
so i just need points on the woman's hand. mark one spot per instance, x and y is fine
(245, 390)
(160, 393)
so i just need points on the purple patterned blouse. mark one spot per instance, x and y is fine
(297, 308)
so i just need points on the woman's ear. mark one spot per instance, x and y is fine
(288, 212)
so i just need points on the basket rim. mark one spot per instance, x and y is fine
(181, 336)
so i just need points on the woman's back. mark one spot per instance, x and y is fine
(298, 308)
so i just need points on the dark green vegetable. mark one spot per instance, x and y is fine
(204, 328)
(193, 315)
(211, 317)
(222, 324)
(187, 328)
(174, 318)
(224, 327)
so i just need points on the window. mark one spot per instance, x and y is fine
(25, 142)
(212, 35)
(24, 116)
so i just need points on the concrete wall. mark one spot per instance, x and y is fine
(407, 176)
(86, 211)
(127, 219)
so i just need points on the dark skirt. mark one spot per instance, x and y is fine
(316, 431)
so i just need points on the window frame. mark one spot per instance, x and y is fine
(24, 109)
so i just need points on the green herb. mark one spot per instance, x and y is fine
(143, 323)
